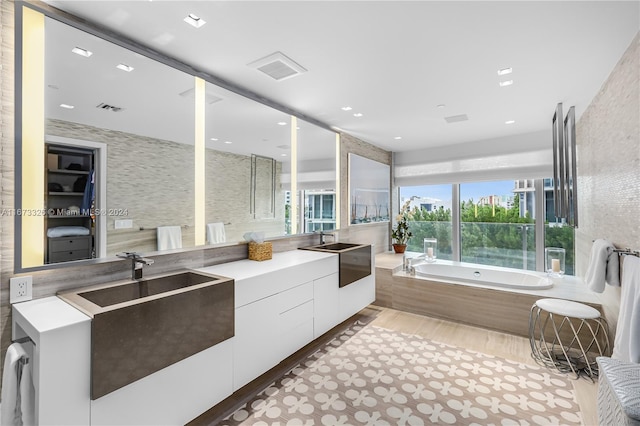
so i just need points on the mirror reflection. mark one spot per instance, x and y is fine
(316, 178)
(102, 100)
(119, 158)
(246, 146)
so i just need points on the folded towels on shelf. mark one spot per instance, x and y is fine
(626, 346)
(215, 233)
(67, 231)
(604, 266)
(169, 237)
(18, 393)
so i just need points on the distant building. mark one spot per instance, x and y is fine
(524, 190)
(505, 201)
(427, 203)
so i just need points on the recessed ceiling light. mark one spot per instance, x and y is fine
(124, 67)
(357, 114)
(67, 106)
(505, 71)
(506, 83)
(440, 106)
(283, 146)
(228, 142)
(398, 138)
(346, 108)
(283, 155)
(194, 20)
(282, 123)
(509, 121)
(214, 139)
(82, 52)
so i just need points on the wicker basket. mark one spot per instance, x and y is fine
(260, 251)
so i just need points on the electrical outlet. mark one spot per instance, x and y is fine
(20, 289)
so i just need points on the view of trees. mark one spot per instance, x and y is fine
(490, 235)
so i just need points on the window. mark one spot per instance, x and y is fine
(429, 211)
(497, 225)
(556, 232)
(496, 222)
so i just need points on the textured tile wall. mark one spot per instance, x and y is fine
(608, 165)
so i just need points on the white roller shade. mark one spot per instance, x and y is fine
(527, 156)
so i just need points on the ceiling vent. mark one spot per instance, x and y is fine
(278, 66)
(209, 98)
(108, 107)
(456, 118)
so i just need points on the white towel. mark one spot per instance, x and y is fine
(626, 346)
(215, 233)
(18, 394)
(604, 266)
(169, 237)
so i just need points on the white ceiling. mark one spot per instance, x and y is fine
(395, 61)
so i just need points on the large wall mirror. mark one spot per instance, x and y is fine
(100, 119)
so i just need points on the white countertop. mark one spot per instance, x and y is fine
(41, 315)
(243, 269)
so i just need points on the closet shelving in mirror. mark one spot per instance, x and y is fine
(69, 196)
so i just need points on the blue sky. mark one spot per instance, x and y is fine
(467, 190)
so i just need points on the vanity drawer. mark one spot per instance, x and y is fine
(296, 316)
(65, 256)
(294, 297)
(70, 243)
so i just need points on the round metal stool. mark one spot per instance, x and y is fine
(567, 336)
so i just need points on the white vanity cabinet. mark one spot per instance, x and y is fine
(274, 314)
(284, 303)
(334, 304)
(358, 295)
(326, 304)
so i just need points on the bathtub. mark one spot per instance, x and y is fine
(469, 273)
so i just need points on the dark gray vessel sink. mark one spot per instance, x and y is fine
(145, 287)
(354, 259)
(152, 323)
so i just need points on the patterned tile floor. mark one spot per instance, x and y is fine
(374, 376)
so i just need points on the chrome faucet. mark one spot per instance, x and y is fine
(137, 262)
(323, 234)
